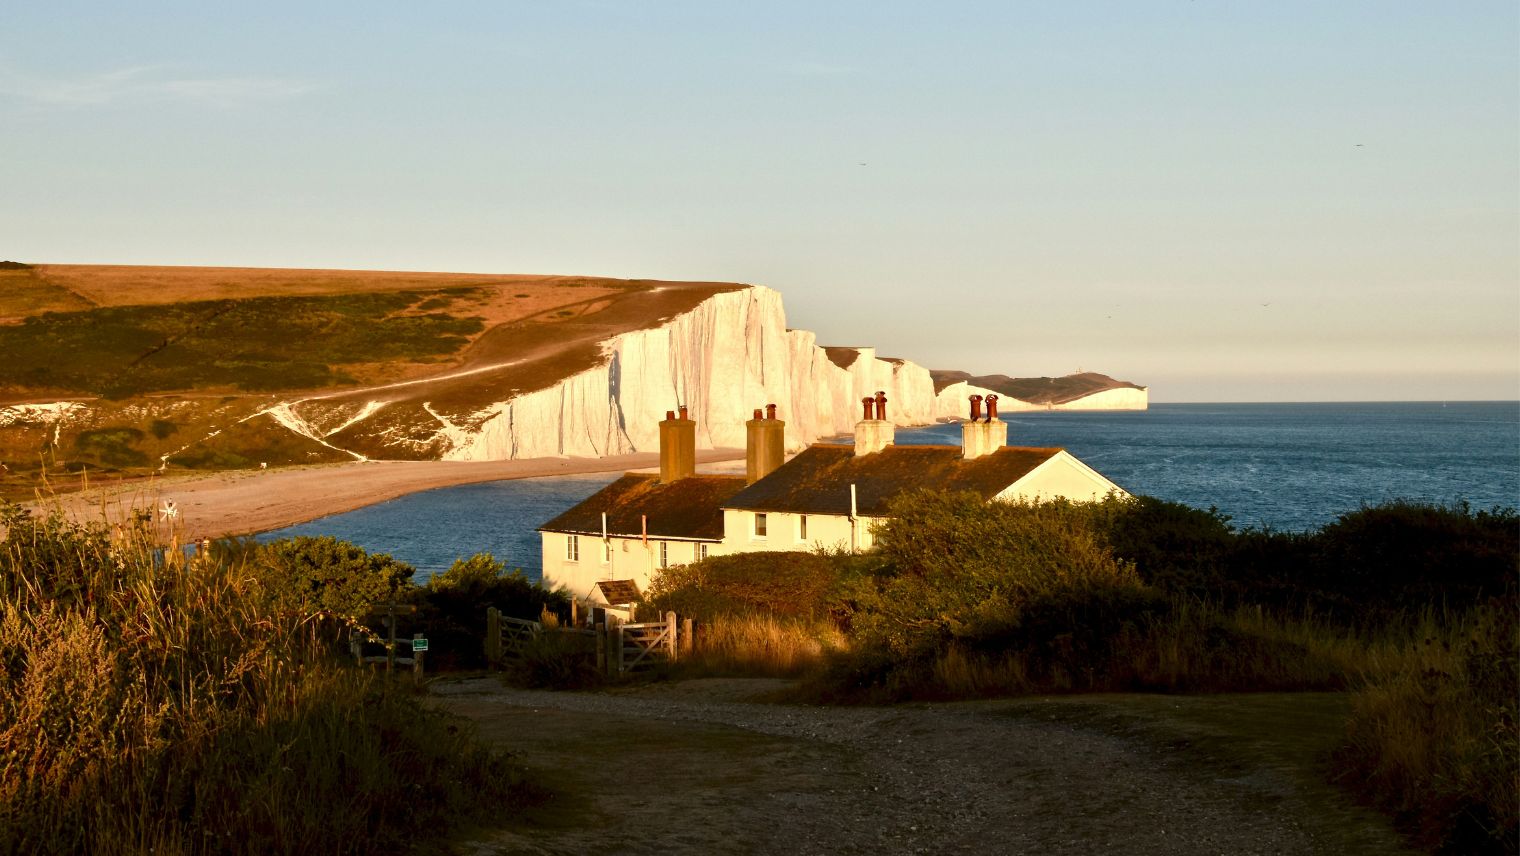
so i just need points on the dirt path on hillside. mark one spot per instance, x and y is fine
(246, 501)
(691, 767)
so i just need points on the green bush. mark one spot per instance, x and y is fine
(1407, 555)
(794, 585)
(453, 604)
(111, 447)
(953, 566)
(327, 576)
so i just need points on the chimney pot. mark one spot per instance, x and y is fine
(683, 412)
(866, 403)
(881, 404)
(976, 407)
(991, 407)
(770, 411)
(678, 447)
(670, 414)
(765, 447)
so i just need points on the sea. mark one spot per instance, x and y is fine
(1286, 467)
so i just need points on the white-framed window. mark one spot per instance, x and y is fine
(802, 527)
(760, 525)
(572, 548)
(701, 551)
(606, 551)
(664, 554)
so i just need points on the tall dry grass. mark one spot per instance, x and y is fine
(762, 645)
(151, 702)
(1433, 735)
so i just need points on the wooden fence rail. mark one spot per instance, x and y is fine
(620, 648)
(507, 637)
(648, 644)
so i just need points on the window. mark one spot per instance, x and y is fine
(572, 548)
(701, 551)
(759, 525)
(802, 527)
(664, 554)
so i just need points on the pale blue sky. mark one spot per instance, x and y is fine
(1226, 201)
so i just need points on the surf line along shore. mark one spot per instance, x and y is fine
(244, 502)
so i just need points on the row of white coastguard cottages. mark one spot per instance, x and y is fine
(826, 496)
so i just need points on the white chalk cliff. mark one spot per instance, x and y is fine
(730, 354)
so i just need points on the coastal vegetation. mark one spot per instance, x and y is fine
(1410, 608)
(152, 701)
(255, 344)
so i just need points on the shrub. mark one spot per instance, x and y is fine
(324, 575)
(956, 567)
(1174, 547)
(1406, 555)
(555, 660)
(452, 607)
(772, 583)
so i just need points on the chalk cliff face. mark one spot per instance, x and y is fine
(729, 355)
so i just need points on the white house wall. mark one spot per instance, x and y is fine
(824, 531)
(1061, 476)
(629, 559)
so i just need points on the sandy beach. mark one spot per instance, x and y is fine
(247, 501)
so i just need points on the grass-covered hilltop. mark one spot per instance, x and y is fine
(126, 370)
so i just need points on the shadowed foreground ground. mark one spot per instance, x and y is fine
(689, 767)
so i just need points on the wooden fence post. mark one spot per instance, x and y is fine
(671, 639)
(619, 649)
(601, 648)
(687, 640)
(417, 661)
(493, 637)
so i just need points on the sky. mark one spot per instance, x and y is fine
(1225, 201)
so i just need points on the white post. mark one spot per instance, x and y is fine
(854, 527)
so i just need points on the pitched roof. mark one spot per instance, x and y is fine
(691, 507)
(818, 480)
(619, 591)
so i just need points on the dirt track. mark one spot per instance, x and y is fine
(691, 768)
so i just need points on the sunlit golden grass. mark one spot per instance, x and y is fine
(151, 702)
(763, 645)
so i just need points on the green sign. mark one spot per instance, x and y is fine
(419, 645)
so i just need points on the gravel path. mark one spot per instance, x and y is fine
(688, 768)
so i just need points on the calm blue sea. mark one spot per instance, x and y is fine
(1285, 466)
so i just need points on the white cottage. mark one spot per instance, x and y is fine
(642, 523)
(829, 495)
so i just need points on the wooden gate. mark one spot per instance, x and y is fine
(642, 646)
(507, 637)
